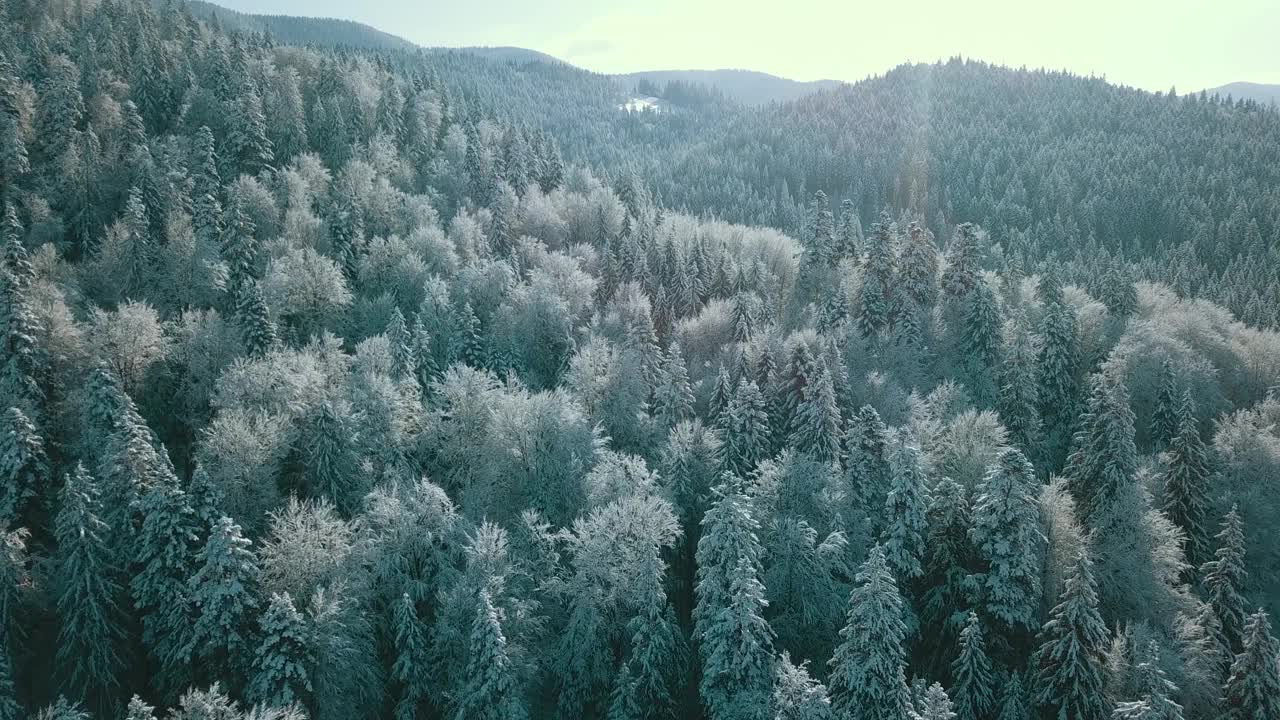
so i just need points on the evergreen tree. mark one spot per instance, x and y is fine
(1253, 688)
(867, 471)
(918, 267)
(1186, 480)
(745, 425)
(875, 303)
(24, 467)
(981, 341)
(796, 695)
(279, 675)
(206, 189)
(673, 398)
(260, 332)
(961, 273)
(330, 464)
(1166, 416)
(816, 430)
(9, 707)
(491, 691)
(950, 557)
(906, 512)
(1070, 663)
(1224, 578)
(1103, 466)
(1056, 380)
(222, 595)
(470, 348)
(1006, 534)
(165, 556)
(935, 705)
(139, 710)
(1013, 704)
(239, 249)
(721, 394)
(87, 595)
(1018, 399)
(412, 665)
(971, 674)
(1155, 691)
(868, 671)
(735, 642)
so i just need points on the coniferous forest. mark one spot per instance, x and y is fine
(346, 379)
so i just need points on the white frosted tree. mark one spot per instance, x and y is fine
(1007, 537)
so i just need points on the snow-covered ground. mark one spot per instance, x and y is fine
(641, 104)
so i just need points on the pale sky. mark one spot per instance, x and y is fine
(1152, 44)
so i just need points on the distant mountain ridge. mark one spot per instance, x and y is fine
(1265, 93)
(298, 30)
(749, 87)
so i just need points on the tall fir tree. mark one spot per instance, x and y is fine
(906, 511)
(868, 671)
(1224, 578)
(279, 674)
(1071, 661)
(24, 467)
(973, 682)
(412, 666)
(796, 695)
(491, 690)
(1253, 687)
(1006, 534)
(1019, 394)
(222, 595)
(1186, 483)
(92, 625)
(1166, 415)
(745, 426)
(816, 430)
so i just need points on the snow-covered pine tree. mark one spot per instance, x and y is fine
(729, 565)
(279, 675)
(222, 593)
(1166, 415)
(260, 333)
(796, 695)
(745, 426)
(24, 466)
(906, 511)
(87, 596)
(1253, 688)
(165, 556)
(1013, 701)
(935, 705)
(961, 272)
(816, 428)
(491, 691)
(948, 564)
(868, 671)
(1071, 660)
(1223, 579)
(972, 679)
(1019, 397)
(918, 267)
(673, 398)
(1007, 537)
(867, 470)
(981, 341)
(411, 668)
(1186, 479)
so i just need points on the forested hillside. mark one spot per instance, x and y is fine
(346, 383)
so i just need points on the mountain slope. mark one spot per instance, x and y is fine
(508, 53)
(297, 30)
(746, 86)
(1258, 92)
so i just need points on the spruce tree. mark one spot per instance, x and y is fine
(918, 267)
(935, 705)
(165, 556)
(1007, 537)
(279, 674)
(721, 393)
(875, 301)
(735, 642)
(949, 562)
(971, 673)
(867, 471)
(24, 467)
(745, 425)
(1166, 417)
(491, 691)
(1253, 688)
(222, 595)
(868, 671)
(981, 341)
(9, 707)
(1013, 702)
(86, 593)
(816, 430)
(796, 695)
(330, 465)
(1019, 397)
(1224, 578)
(1186, 481)
(906, 512)
(673, 398)
(470, 349)
(961, 273)
(1056, 379)
(1103, 466)
(260, 333)
(412, 664)
(1071, 660)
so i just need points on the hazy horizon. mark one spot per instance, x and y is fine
(1144, 44)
